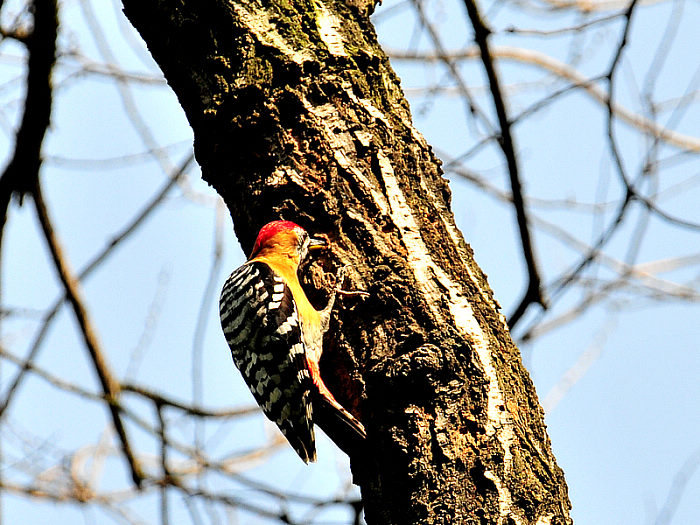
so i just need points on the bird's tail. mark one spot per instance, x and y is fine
(332, 413)
(341, 426)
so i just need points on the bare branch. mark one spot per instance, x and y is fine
(109, 383)
(23, 169)
(570, 29)
(194, 411)
(533, 293)
(126, 232)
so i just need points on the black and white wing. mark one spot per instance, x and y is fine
(261, 325)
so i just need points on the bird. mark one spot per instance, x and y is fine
(276, 335)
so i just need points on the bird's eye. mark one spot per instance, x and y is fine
(303, 246)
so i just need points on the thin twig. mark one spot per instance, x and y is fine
(563, 71)
(123, 86)
(678, 486)
(533, 293)
(109, 383)
(556, 32)
(203, 319)
(611, 93)
(445, 58)
(190, 410)
(107, 163)
(632, 191)
(164, 513)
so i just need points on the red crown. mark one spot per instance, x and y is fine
(270, 230)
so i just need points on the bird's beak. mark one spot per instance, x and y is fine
(315, 244)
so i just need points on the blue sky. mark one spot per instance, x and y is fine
(621, 432)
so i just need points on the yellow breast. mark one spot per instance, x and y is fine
(285, 268)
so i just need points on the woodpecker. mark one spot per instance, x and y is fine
(276, 335)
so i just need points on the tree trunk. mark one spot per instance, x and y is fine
(297, 114)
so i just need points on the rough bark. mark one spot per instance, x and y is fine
(297, 114)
